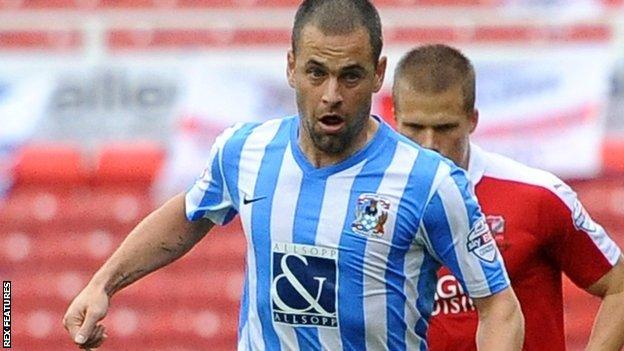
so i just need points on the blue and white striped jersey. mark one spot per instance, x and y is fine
(343, 257)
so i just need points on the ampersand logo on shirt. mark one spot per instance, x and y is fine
(304, 286)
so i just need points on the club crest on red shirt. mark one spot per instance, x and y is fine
(497, 227)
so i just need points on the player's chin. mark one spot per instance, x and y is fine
(332, 144)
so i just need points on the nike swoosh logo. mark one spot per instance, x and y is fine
(247, 201)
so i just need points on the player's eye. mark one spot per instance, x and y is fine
(446, 127)
(352, 77)
(315, 72)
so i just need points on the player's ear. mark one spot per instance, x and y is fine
(474, 120)
(290, 68)
(380, 73)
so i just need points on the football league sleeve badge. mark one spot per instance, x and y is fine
(581, 219)
(481, 242)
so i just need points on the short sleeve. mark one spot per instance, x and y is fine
(581, 247)
(209, 197)
(456, 233)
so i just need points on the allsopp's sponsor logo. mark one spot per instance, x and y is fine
(304, 286)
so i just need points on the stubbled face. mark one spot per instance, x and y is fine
(436, 121)
(334, 77)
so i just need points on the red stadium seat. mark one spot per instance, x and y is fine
(59, 248)
(86, 250)
(85, 206)
(128, 164)
(37, 39)
(117, 204)
(197, 288)
(50, 164)
(45, 205)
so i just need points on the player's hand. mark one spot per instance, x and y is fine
(81, 318)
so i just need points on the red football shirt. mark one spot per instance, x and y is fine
(542, 230)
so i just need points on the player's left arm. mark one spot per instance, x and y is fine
(608, 331)
(501, 326)
(455, 232)
(591, 259)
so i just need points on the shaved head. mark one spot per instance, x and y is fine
(339, 17)
(434, 69)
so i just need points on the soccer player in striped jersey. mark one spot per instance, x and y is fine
(538, 223)
(347, 222)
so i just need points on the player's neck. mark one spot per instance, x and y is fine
(319, 158)
(466, 159)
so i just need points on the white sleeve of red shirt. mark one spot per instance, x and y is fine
(581, 247)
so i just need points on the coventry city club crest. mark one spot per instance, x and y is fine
(371, 213)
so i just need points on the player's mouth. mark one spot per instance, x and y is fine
(331, 123)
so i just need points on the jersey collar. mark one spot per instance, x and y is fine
(372, 147)
(476, 164)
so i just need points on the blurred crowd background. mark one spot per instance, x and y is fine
(108, 107)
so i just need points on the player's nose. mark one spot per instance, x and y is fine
(332, 94)
(428, 140)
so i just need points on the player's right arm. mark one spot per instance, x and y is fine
(457, 235)
(163, 236)
(608, 330)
